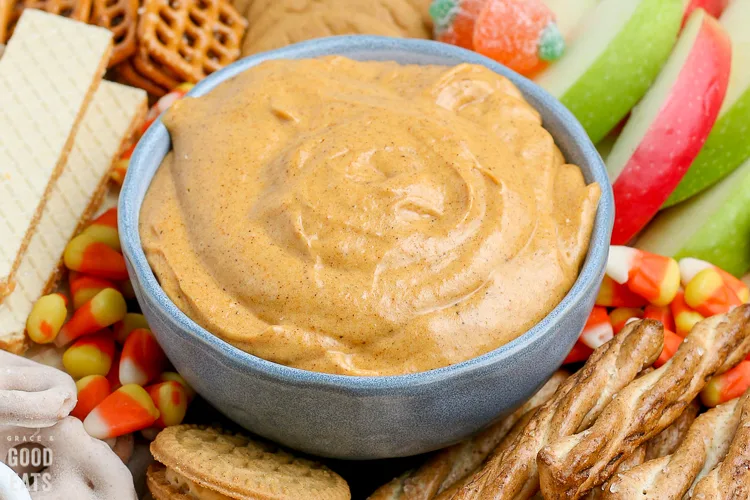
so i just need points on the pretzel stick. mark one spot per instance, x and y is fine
(452, 464)
(573, 465)
(731, 478)
(511, 471)
(666, 442)
(671, 476)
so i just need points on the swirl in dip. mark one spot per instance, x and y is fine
(365, 218)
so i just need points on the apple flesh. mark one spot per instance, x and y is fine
(613, 61)
(712, 226)
(569, 13)
(667, 129)
(727, 147)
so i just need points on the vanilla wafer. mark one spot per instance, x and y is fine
(113, 115)
(571, 466)
(48, 72)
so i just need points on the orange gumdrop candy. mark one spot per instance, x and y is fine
(521, 34)
(454, 21)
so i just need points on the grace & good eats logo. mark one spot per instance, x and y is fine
(29, 458)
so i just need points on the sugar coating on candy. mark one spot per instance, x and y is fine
(443, 12)
(510, 32)
(551, 43)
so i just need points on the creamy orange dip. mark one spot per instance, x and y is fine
(365, 218)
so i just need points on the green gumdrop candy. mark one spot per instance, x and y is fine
(442, 13)
(551, 43)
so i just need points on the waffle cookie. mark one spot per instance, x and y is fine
(78, 10)
(48, 73)
(113, 115)
(120, 17)
(190, 38)
(205, 462)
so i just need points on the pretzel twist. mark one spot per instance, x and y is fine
(511, 471)
(452, 464)
(731, 478)
(573, 465)
(671, 476)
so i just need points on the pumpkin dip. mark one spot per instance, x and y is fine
(365, 218)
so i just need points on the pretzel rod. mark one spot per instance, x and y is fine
(511, 470)
(452, 464)
(731, 478)
(634, 460)
(571, 466)
(666, 442)
(670, 477)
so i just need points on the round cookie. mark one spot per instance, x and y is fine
(236, 467)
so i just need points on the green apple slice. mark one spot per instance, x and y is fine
(614, 60)
(728, 145)
(712, 226)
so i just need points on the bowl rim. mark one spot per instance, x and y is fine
(589, 276)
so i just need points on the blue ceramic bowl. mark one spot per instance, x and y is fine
(361, 417)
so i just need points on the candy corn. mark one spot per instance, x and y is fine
(580, 352)
(164, 103)
(672, 342)
(689, 267)
(46, 318)
(83, 287)
(176, 377)
(92, 390)
(653, 277)
(620, 316)
(130, 322)
(598, 329)
(709, 295)
(114, 372)
(104, 229)
(90, 355)
(726, 386)
(685, 318)
(171, 401)
(613, 294)
(104, 309)
(87, 255)
(142, 358)
(126, 410)
(660, 313)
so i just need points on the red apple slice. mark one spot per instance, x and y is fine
(669, 126)
(713, 7)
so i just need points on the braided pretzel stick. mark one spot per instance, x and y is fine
(667, 442)
(33, 395)
(511, 471)
(571, 466)
(731, 478)
(452, 464)
(670, 477)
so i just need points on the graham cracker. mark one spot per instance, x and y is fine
(114, 114)
(48, 72)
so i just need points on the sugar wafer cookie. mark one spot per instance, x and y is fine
(113, 115)
(211, 461)
(48, 73)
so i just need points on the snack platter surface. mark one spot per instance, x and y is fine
(362, 218)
